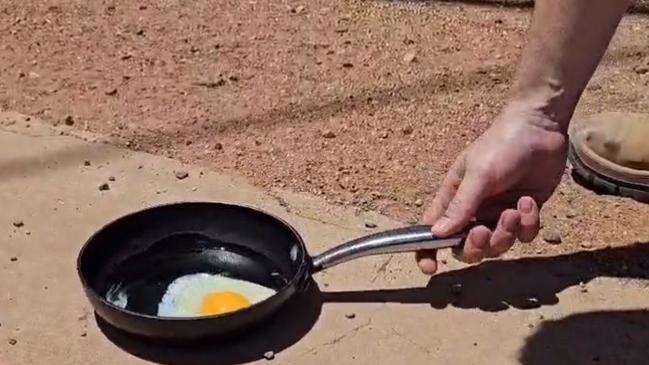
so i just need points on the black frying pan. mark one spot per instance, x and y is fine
(143, 252)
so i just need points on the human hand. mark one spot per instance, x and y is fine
(505, 176)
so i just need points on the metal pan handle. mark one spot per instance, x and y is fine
(408, 239)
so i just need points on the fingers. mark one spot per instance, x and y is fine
(505, 234)
(476, 245)
(482, 243)
(530, 219)
(445, 193)
(456, 204)
(521, 223)
(462, 207)
(427, 261)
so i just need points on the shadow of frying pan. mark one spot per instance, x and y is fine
(288, 326)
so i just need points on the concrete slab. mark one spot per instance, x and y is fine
(575, 309)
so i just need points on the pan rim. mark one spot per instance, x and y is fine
(90, 290)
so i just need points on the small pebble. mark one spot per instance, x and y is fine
(348, 65)
(84, 334)
(407, 130)
(552, 236)
(181, 174)
(218, 146)
(13, 259)
(12, 341)
(69, 120)
(104, 187)
(530, 325)
(350, 315)
(410, 57)
(111, 178)
(28, 233)
(86, 163)
(370, 225)
(111, 92)
(18, 223)
(194, 188)
(641, 70)
(269, 355)
(586, 244)
(419, 202)
(328, 134)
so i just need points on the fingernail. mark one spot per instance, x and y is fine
(440, 225)
(525, 205)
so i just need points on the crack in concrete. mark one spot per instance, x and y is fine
(381, 269)
(282, 203)
(349, 334)
(289, 209)
(412, 342)
(314, 219)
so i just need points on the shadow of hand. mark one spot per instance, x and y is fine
(523, 283)
(607, 337)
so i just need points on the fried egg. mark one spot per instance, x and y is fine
(205, 294)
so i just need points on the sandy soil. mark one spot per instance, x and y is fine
(364, 102)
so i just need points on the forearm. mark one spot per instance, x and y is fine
(565, 44)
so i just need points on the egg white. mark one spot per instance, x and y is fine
(116, 295)
(184, 296)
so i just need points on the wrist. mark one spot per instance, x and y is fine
(548, 104)
(524, 120)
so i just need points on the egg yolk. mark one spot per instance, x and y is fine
(223, 302)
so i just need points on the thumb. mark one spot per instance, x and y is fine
(462, 208)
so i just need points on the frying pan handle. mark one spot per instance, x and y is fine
(408, 239)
